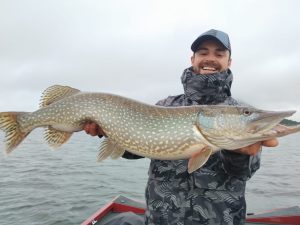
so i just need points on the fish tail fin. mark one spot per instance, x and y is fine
(13, 134)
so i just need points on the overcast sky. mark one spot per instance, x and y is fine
(139, 48)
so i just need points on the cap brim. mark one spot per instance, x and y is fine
(199, 40)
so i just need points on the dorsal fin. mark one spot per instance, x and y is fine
(56, 93)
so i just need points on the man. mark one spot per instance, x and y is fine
(215, 193)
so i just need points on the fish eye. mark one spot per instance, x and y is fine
(247, 112)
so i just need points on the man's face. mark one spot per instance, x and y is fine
(211, 58)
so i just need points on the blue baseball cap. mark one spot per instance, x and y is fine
(212, 34)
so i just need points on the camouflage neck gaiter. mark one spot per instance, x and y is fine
(206, 89)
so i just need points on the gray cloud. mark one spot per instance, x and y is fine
(140, 48)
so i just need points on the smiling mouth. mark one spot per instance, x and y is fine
(209, 68)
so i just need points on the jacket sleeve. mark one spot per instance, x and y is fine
(239, 165)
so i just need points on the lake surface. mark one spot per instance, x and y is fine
(45, 187)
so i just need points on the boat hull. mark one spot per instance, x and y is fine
(121, 204)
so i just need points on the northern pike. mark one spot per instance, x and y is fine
(166, 133)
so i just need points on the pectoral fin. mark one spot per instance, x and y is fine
(109, 148)
(198, 159)
(56, 138)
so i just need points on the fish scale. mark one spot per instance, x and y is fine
(166, 133)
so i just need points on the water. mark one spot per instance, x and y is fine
(45, 187)
(277, 183)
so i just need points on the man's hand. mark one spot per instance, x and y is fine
(93, 129)
(255, 148)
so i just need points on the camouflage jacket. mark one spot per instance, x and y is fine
(215, 193)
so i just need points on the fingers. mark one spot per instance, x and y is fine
(251, 149)
(270, 143)
(255, 148)
(92, 129)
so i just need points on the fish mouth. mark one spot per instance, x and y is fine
(273, 115)
(269, 119)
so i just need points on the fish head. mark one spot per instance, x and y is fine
(233, 127)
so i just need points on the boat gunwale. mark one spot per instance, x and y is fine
(113, 206)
